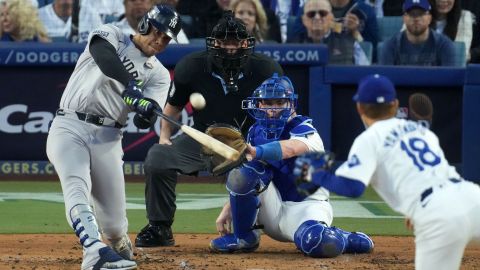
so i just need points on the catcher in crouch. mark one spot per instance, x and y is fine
(263, 193)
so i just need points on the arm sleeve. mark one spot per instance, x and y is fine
(341, 185)
(105, 56)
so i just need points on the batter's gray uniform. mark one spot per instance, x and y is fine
(84, 141)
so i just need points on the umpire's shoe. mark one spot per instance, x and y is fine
(103, 258)
(155, 236)
(229, 243)
(357, 242)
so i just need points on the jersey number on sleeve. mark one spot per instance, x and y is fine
(421, 155)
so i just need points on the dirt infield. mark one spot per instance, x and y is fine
(56, 251)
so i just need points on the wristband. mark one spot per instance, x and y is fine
(269, 151)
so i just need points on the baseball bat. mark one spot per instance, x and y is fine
(207, 141)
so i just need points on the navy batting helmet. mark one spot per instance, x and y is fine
(164, 19)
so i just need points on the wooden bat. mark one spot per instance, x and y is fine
(207, 141)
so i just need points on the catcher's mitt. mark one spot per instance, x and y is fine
(230, 136)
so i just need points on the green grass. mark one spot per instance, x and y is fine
(33, 216)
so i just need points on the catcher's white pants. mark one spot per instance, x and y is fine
(281, 219)
(444, 227)
(88, 161)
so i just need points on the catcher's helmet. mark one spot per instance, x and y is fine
(230, 30)
(164, 19)
(273, 88)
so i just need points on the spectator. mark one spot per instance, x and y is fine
(449, 18)
(20, 22)
(417, 45)
(474, 7)
(57, 18)
(181, 37)
(342, 46)
(354, 16)
(358, 18)
(134, 11)
(283, 10)
(377, 5)
(251, 12)
(108, 10)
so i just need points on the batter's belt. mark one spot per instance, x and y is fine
(89, 118)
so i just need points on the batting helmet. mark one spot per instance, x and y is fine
(273, 88)
(164, 19)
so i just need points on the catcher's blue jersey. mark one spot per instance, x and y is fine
(299, 126)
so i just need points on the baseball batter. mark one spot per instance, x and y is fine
(263, 191)
(404, 163)
(115, 74)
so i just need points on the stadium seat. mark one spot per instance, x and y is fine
(460, 57)
(389, 26)
(379, 50)
(367, 47)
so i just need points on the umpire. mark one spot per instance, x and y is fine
(225, 74)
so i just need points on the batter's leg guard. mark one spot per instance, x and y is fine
(357, 242)
(96, 255)
(316, 239)
(244, 184)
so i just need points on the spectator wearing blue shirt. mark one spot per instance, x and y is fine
(418, 45)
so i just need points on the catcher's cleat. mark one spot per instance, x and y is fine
(123, 246)
(105, 258)
(357, 242)
(155, 236)
(229, 243)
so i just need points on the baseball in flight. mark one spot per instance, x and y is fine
(198, 101)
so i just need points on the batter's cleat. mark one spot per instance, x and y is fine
(105, 258)
(229, 243)
(123, 247)
(155, 236)
(357, 242)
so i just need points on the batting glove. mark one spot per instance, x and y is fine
(134, 99)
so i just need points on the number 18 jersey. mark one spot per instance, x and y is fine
(400, 159)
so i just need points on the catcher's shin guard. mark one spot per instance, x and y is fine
(244, 184)
(85, 225)
(356, 242)
(317, 240)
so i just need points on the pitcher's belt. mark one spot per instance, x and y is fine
(89, 118)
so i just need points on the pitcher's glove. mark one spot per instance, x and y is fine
(230, 136)
(306, 165)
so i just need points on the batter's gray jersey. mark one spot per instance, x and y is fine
(90, 91)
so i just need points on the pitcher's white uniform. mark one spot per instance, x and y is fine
(87, 156)
(404, 163)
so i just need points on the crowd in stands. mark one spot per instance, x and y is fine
(357, 32)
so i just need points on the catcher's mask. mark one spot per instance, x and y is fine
(272, 104)
(229, 46)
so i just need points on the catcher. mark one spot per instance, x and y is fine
(263, 192)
